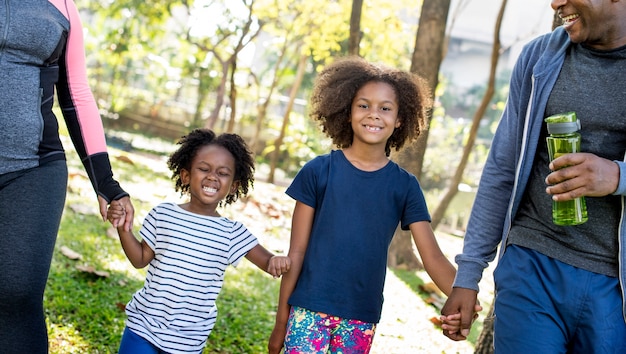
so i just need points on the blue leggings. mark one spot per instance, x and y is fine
(31, 204)
(546, 306)
(133, 343)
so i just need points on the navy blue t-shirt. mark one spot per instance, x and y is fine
(356, 215)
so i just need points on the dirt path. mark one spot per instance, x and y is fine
(405, 325)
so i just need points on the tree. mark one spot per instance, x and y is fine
(263, 103)
(292, 97)
(121, 32)
(453, 185)
(227, 41)
(323, 37)
(427, 57)
(355, 27)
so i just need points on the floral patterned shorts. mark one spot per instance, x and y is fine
(315, 332)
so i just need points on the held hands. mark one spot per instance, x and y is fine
(120, 213)
(452, 323)
(278, 265)
(459, 312)
(581, 174)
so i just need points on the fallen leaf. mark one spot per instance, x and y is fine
(91, 270)
(436, 321)
(69, 253)
(125, 159)
(430, 288)
(85, 209)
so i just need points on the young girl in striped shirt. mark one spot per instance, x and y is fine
(188, 247)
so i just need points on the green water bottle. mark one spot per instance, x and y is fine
(564, 139)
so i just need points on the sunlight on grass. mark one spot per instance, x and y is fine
(66, 340)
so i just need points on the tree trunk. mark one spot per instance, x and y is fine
(292, 97)
(453, 186)
(401, 254)
(484, 343)
(232, 97)
(264, 104)
(427, 58)
(221, 90)
(355, 27)
(426, 61)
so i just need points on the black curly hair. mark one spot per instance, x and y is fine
(198, 138)
(337, 84)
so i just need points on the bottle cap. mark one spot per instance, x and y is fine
(563, 123)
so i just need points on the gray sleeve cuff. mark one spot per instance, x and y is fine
(469, 273)
(621, 187)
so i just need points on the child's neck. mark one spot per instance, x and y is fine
(366, 159)
(192, 208)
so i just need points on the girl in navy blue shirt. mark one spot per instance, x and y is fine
(349, 204)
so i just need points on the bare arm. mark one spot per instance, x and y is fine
(461, 307)
(435, 262)
(300, 232)
(138, 252)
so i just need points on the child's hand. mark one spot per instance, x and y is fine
(116, 213)
(278, 265)
(452, 323)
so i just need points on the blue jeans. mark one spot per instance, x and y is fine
(132, 343)
(546, 306)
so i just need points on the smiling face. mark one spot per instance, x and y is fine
(374, 114)
(599, 24)
(210, 179)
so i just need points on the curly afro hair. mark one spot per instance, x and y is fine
(198, 138)
(337, 84)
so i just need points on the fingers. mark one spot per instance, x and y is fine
(130, 215)
(102, 203)
(279, 265)
(461, 302)
(581, 174)
(121, 212)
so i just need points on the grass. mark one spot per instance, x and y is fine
(84, 311)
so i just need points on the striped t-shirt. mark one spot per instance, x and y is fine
(175, 310)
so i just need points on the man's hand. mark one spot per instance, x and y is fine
(581, 174)
(464, 302)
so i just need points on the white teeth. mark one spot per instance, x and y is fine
(209, 189)
(569, 18)
(368, 127)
